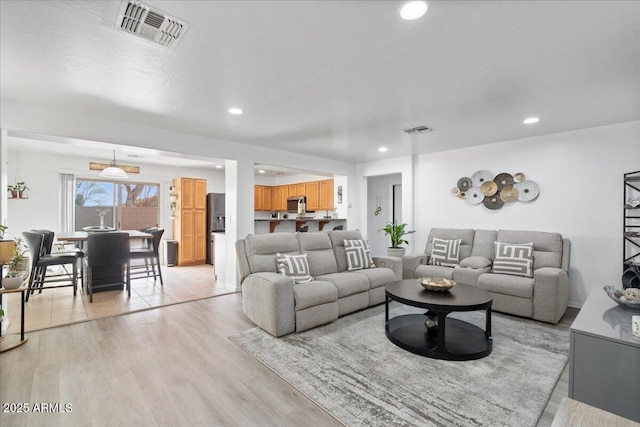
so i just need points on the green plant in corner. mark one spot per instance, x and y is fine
(396, 232)
(3, 229)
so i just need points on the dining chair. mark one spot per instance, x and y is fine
(40, 261)
(107, 249)
(150, 255)
(49, 239)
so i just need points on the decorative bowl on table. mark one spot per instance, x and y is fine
(436, 283)
(629, 297)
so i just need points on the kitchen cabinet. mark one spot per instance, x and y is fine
(279, 196)
(296, 190)
(312, 191)
(189, 227)
(262, 198)
(326, 195)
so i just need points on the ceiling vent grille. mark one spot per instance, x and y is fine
(151, 24)
(418, 129)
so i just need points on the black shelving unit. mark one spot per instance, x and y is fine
(631, 227)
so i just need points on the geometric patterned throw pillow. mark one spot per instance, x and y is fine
(445, 253)
(358, 254)
(513, 258)
(294, 266)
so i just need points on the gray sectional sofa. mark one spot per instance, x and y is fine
(543, 297)
(277, 305)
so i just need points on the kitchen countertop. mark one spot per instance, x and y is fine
(301, 219)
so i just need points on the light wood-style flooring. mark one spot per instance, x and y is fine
(55, 307)
(168, 366)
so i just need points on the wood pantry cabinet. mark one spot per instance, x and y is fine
(190, 226)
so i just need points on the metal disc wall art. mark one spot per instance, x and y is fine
(464, 183)
(489, 188)
(495, 191)
(480, 177)
(503, 180)
(509, 195)
(527, 191)
(474, 196)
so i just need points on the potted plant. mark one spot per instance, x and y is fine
(3, 229)
(396, 232)
(21, 187)
(13, 191)
(16, 268)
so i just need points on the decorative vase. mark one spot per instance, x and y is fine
(101, 221)
(12, 282)
(396, 252)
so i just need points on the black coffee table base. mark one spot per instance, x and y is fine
(460, 341)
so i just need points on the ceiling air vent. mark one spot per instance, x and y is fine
(151, 24)
(418, 129)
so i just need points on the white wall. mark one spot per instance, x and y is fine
(41, 173)
(380, 188)
(580, 178)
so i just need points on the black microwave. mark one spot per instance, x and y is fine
(292, 203)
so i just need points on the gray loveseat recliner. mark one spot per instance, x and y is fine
(544, 297)
(277, 305)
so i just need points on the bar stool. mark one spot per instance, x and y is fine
(150, 255)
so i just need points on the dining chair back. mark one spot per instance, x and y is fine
(40, 261)
(151, 256)
(107, 249)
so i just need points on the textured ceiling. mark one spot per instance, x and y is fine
(335, 79)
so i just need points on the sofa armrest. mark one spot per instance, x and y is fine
(391, 262)
(267, 299)
(550, 294)
(410, 263)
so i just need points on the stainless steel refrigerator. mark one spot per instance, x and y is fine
(215, 221)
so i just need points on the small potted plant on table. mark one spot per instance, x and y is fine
(21, 188)
(396, 232)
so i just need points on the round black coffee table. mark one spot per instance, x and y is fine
(449, 339)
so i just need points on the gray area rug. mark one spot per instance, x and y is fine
(351, 369)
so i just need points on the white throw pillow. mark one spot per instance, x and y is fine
(294, 266)
(358, 254)
(445, 253)
(513, 258)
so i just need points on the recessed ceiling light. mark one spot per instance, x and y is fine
(218, 166)
(531, 120)
(383, 149)
(236, 111)
(413, 10)
(261, 171)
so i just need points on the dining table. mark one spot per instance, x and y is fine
(103, 274)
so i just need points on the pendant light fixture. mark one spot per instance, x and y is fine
(114, 172)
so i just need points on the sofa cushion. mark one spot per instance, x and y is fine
(465, 235)
(347, 283)
(434, 271)
(547, 247)
(475, 262)
(378, 276)
(469, 276)
(507, 284)
(314, 293)
(483, 243)
(337, 242)
(511, 258)
(294, 266)
(317, 246)
(262, 249)
(445, 252)
(358, 254)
